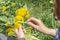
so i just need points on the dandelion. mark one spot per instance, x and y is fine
(21, 11)
(19, 18)
(17, 24)
(9, 29)
(4, 8)
(10, 32)
(13, 4)
(27, 15)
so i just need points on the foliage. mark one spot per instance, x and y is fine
(41, 9)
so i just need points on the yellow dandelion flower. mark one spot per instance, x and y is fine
(17, 24)
(9, 29)
(7, 23)
(4, 8)
(13, 4)
(27, 15)
(10, 32)
(19, 18)
(21, 11)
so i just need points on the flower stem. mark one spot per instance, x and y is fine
(22, 22)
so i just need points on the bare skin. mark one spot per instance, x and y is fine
(20, 33)
(36, 24)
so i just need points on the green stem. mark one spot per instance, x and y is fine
(22, 22)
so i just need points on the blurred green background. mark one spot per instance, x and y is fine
(40, 9)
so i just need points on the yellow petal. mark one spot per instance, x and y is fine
(21, 11)
(16, 24)
(18, 18)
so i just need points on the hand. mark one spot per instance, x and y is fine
(20, 32)
(38, 24)
(35, 23)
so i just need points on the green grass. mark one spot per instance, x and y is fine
(44, 12)
(40, 9)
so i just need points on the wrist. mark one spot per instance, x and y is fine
(48, 31)
(20, 37)
(51, 32)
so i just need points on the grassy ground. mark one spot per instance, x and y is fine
(41, 9)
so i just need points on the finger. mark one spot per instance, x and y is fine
(20, 28)
(23, 30)
(33, 20)
(32, 25)
(16, 30)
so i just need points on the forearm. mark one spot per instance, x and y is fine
(48, 31)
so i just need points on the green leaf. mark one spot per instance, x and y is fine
(3, 18)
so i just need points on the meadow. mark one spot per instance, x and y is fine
(40, 9)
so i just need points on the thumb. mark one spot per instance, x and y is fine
(20, 29)
(16, 30)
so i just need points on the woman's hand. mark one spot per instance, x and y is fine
(38, 24)
(20, 33)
